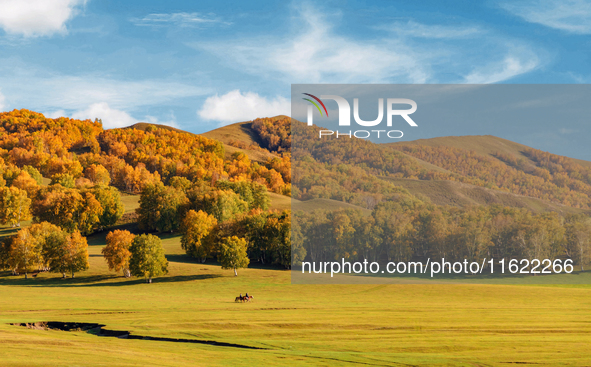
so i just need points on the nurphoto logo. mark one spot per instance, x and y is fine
(345, 116)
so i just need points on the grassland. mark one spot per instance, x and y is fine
(243, 132)
(462, 195)
(307, 325)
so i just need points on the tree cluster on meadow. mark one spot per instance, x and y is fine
(414, 230)
(44, 247)
(231, 214)
(175, 172)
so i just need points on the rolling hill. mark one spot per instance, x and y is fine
(241, 132)
(487, 145)
(458, 186)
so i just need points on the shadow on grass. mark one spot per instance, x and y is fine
(186, 259)
(97, 280)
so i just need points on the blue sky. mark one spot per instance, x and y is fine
(200, 64)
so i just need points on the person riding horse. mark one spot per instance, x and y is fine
(240, 298)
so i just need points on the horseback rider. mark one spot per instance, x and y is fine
(246, 295)
(241, 298)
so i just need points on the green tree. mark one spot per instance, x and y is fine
(196, 227)
(15, 206)
(64, 179)
(232, 253)
(34, 173)
(147, 257)
(54, 251)
(578, 238)
(222, 204)
(180, 183)
(253, 193)
(62, 252)
(110, 201)
(160, 207)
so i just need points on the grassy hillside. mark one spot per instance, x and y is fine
(241, 132)
(326, 204)
(487, 145)
(144, 125)
(462, 195)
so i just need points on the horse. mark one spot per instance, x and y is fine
(243, 299)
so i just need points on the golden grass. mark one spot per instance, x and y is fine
(243, 132)
(330, 325)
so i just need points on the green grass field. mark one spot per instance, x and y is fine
(313, 325)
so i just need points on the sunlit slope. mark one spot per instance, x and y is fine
(463, 195)
(488, 145)
(240, 132)
(326, 204)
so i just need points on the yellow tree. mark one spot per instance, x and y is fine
(76, 253)
(68, 209)
(25, 253)
(196, 226)
(98, 174)
(15, 206)
(24, 181)
(117, 252)
(89, 213)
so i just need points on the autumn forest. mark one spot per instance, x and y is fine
(62, 180)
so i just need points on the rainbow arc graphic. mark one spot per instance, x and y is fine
(316, 104)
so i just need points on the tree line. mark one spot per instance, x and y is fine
(413, 230)
(46, 247)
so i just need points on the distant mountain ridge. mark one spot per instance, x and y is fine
(457, 186)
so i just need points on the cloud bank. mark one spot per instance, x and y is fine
(573, 16)
(35, 18)
(236, 106)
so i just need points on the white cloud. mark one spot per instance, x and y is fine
(33, 18)
(315, 52)
(55, 114)
(170, 121)
(318, 54)
(31, 86)
(112, 118)
(419, 30)
(572, 16)
(235, 106)
(178, 19)
(497, 72)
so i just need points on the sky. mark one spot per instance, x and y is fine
(198, 65)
